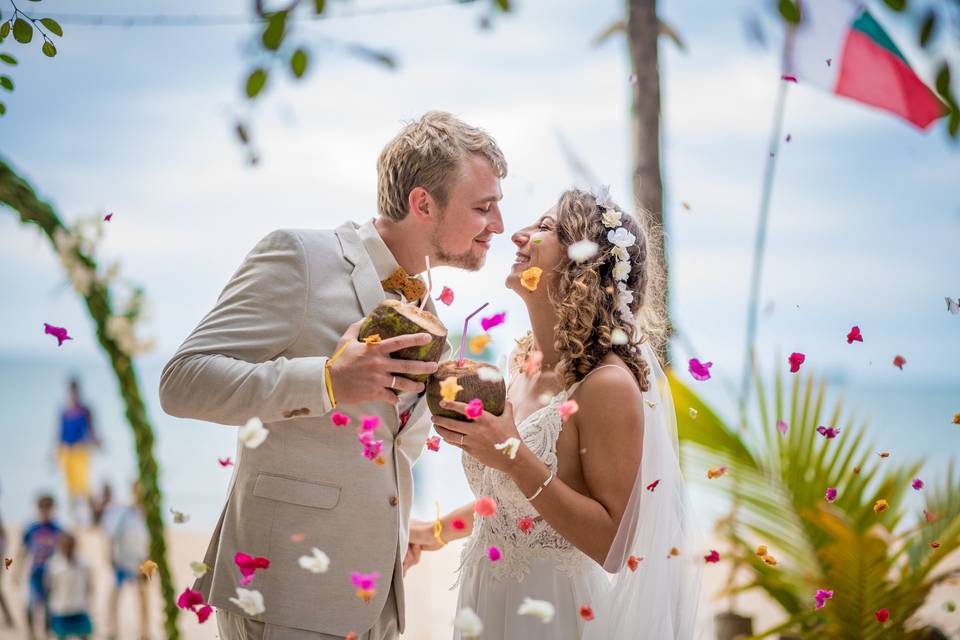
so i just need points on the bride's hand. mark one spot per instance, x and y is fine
(478, 436)
(421, 534)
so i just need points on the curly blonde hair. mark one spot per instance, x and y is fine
(585, 293)
(427, 153)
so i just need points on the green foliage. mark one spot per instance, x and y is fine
(7, 58)
(927, 27)
(52, 25)
(870, 560)
(298, 62)
(23, 26)
(6, 83)
(790, 11)
(255, 82)
(22, 31)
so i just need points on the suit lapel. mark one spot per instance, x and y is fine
(364, 276)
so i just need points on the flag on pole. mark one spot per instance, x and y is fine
(840, 47)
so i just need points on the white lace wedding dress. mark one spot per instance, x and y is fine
(539, 564)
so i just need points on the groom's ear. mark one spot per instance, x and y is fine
(421, 205)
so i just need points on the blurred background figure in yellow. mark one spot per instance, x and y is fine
(75, 437)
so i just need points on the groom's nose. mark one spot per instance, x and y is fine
(495, 221)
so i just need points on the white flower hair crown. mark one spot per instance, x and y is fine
(621, 239)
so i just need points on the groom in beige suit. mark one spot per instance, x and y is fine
(263, 352)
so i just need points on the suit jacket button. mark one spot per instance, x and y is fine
(393, 501)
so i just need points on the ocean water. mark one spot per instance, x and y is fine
(910, 421)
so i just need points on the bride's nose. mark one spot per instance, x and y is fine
(520, 238)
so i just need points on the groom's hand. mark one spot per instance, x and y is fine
(367, 373)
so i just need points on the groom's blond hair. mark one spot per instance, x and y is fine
(427, 153)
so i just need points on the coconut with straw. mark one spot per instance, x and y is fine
(472, 380)
(392, 318)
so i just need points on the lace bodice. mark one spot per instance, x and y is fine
(539, 432)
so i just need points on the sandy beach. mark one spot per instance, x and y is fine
(430, 600)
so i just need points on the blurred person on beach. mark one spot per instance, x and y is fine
(129, 542)
(4, 609)
(99, 505)
(39, 544)
(74, 439)
(69, 581)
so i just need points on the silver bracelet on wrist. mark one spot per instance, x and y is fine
(541, 487)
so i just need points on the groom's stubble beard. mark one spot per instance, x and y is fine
(467, 260)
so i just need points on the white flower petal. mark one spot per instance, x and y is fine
(582, 250)
(619, 336)
(611, 218)
(253, 433)
(319, 562)
(468, 623)
(489, 374)
(509, 447)
(621, 270)
(621, 237)
(539, 608)
(250, 600)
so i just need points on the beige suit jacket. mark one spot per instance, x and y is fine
(261, 352)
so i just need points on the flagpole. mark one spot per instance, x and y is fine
(760, 245)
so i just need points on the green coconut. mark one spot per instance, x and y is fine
(393, 318)
(493, 393)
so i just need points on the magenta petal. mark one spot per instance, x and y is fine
(782, 426)
(700, 370)
(203, 613)
(493, 321)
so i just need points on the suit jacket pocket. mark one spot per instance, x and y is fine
(305, 493)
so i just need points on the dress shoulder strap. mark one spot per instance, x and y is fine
(576, 384)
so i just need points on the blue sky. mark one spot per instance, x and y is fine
(864, 224)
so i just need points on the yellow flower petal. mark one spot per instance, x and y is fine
(880, 506)
(770, 560)
(372, 339)
(956, 418)
(449, 389)
(530, 279)
(762, 550)
(479, 343)
(148, 568)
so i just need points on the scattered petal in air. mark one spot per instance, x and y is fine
(485, 507)
(934, 544)
(693, 413)
(60, 333)
(489, 374)
(248, 566)
(884, 454)
(253, 433)
(796, 359)
(899, 361)
(770, 560)
(582, 250)
(509, 447)
(854, 335)
(828, 432)
(685, 205)
(449, 389)
(495, 320)
(108, 217)
(788, 78)
(474, 409)
(761, 550)
(7, 562)
(568, 408)
(674, 551)
(366, 584)
(369, 423)
(179, 517)
(199, 569)
(619, 336)
(633, 562)
(526, 523)
(446, 296)
(539, 608)
(372, 339)
(478, 344)
(193, 601)
(653, 485)
(225, 462)
(782, 426)
(317, 562)
(433, 443)
(953, 306)
(458, 524)
(716, 472)
(956, 418)
(713, 557)
(880, 506)
(250, 600)
(821, 596)
(148, 568)
(530, 279)
(930, 516)
(882, 615)
(586, 613)
(831, 494)
(700, 370)
(297, 538)
(494, 554)
(339, 419)
(829, 61)
(468, 623)
(788, 138)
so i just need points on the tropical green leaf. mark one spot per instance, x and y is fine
(4, 30)
(3, 109)
(22, 31)
(9, 59)
(928, 27)
(276, 29)
(790, 11)
(256, 82)
(6, 82)
(318, 6)
(52, 25)
(298, 62)
(48, 49)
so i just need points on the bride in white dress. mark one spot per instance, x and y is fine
(591, 536)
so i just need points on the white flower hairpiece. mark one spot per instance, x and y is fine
(621, 239)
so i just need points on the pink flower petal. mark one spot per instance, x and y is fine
(485, 507)
(568, 408)
(494, 554)
(782, 426)
(108, 218)
(917, 484)
(788, 78)
(339, 419)
(446, 296)
(525, 524)
(796, 359)
(854, 335)
(203, 613)
(369, 423)
(225, 462)
(59, 333)
(493, 321)
(713, 557)
(700, 370)
(474, 408)
(831, 494)
(433, 443)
